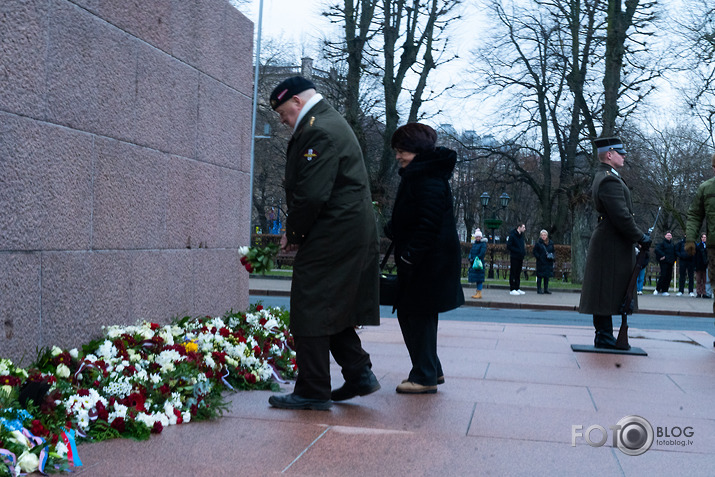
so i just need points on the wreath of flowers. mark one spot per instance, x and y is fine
(135, 381)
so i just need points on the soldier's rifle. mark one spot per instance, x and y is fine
(628, 304)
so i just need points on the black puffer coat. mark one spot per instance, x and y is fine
(424, 231)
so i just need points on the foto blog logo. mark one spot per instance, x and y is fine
(633, 435)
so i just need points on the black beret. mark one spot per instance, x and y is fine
(604, 144)
(289, 88)
(414, 137)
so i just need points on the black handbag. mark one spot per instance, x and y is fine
(388, 282)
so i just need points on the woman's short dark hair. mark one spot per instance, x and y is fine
(414, 137)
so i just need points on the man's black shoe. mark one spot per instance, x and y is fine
(293, 401)
(367, 385)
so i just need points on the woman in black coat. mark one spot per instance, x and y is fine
(427, 250)
(544, 253)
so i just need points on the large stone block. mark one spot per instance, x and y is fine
(147, 20)
(130, 196)
(46, 192)
(193, 205)
(91, 73)
(167, 103)
(224, 135)
(24, 48)
(20, 317)
(216, 281)
(237, 55)
(197, 33)
(66, 299)
(162, 285)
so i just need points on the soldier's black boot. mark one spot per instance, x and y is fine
(604, 332)
(538, 286)
(546, 286)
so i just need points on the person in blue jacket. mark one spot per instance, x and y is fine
(476, 275)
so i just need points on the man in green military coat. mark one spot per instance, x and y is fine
(703, 208)
(611, 252)
(331, 225)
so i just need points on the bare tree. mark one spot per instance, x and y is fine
(698, 48)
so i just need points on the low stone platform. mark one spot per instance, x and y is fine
(512, 397)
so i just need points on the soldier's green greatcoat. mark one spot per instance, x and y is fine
(330, 215)
(611, 251)
(702, 208)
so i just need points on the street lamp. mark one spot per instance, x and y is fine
(493, 224)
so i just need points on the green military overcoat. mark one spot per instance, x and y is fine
(330, 215)
(702, 208)
(611, 251)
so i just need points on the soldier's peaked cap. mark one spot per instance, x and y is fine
(604, 144)
(288, 88)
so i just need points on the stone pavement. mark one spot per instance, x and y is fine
(512, 396)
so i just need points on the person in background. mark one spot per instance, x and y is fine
(686, 267)
(335, 283)
(428, 253)
(611, 258)
(665, 256)
(517, 251)
(641, 276)
(701, 267)
(544, 253)
(476, 276)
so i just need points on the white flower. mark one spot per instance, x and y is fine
(62, 371)
(61, 449)
(74, 353)
(27, 462)
(107, 350)
(56, 351)
(242, 251)
(186, 416)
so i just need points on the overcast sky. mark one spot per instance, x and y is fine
(301, 22)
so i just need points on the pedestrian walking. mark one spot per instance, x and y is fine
(611, 257)
(476, 274)
(331, 226)
(516, 247)
(428, 253)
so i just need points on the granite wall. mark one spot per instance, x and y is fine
(125, 131)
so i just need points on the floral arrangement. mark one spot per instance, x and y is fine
(258, 259)
(134, 381)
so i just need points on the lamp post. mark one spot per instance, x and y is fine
(493, 224)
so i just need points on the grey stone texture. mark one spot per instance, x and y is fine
(124, 165)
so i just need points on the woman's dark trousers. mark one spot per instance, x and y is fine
(419, 331)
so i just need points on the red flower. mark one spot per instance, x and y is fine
(249, 267)
(83, 392)
(165, 389)
(118, 424)
(157, 428)
(244, 260)
(224, 332)
(259, 307)
(154, 326)
(135, 400)
(249, 377)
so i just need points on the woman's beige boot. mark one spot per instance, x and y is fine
(477, 295)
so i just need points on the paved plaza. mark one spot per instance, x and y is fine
(517, 401)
